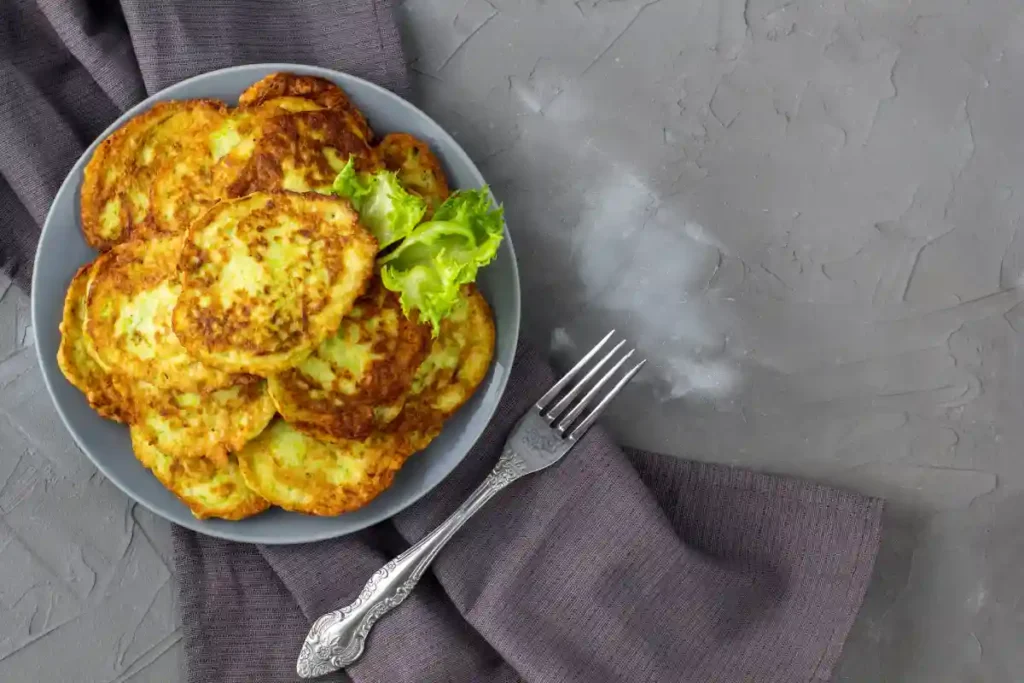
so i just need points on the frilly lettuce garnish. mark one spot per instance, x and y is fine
(434, 258)
(385, 208)
(444, 253)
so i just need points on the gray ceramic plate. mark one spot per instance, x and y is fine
(62, 250)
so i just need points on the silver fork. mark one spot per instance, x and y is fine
(542, 436)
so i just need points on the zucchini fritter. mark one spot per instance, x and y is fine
(233, 142)
(319, 90)
(209, 488)
(211, 425)
(455, 366)
(301, 152)
(107, 207)
(457, 363)
(105, 392)
(418, 169)
(356, 381)
(181, 176)
(302, 474)
(266, 278)
(153, 175)
(295, 467)
(131, 298)
(167, 165)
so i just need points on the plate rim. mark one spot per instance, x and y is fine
(201, 526)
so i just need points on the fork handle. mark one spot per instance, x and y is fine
(337, 638)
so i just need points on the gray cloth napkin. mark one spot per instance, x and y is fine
(612, 566)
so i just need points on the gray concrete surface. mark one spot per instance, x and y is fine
(806, 213)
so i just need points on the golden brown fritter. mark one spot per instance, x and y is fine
(266, 278)
(321, 474)
(209, 488)
(418, 169)
(301, 152)
(152, 175)
(456, 365)
(211, 425)
(356, 381)
(106, 207)
(319, 90)
(302, 474)
(106, 392)
(181, 176)
(128, 318)
(234, 141)
(163, 168)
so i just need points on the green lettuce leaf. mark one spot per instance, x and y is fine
(472, 210)
(433, 262)
(385, 208)
(431, 289)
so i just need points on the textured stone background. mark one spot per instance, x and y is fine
(807, 215)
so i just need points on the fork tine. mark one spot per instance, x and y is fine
(571, 395)
(567, 377)
(590, 419)
(566, 422)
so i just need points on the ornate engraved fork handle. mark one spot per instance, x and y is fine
(337, 638)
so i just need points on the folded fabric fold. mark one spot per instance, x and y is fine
(611, 566)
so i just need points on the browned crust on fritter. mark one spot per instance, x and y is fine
(114, 170)
(420, 411)
(418, 168)
(222, 422)
(337, 500)
(175, 475)
(282, 84)
(298, 141)
(210, 330)
(248, 124)
(421, 418)
(320, 90)
(105, 392)
(327, 499)
(177, 197)
(126, 271)
(326, 411)
(115, 151)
